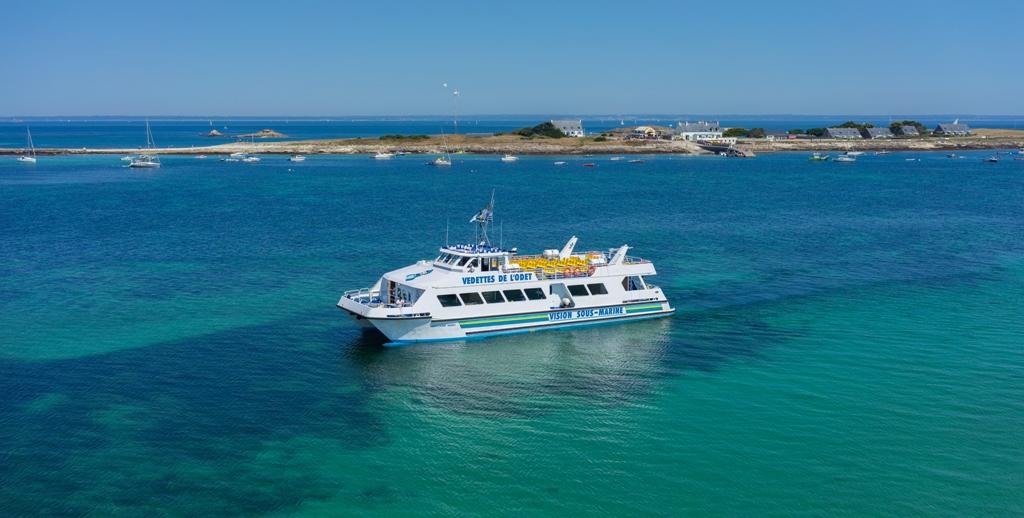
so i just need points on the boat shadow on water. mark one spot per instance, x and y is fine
(529, 374)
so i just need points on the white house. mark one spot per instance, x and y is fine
(571, 128)
(698, 131)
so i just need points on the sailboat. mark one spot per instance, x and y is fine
(146, 161)
(446, 160)
(30, 156)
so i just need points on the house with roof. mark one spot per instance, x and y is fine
(909, 131)
(571, 128)
(878, 133)
(843, 133)
(698, 131)
(952, 129)
(775, 135)
(651, 132)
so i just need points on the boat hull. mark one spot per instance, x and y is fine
(426, 329)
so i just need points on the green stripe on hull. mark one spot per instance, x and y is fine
(644, 309)
(503, 321)
(544, 317)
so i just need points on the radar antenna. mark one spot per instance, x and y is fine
(483, 219)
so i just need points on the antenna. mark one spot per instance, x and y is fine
(446, 232)
(501, 234)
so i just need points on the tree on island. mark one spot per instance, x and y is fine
(857, 125)
(816, 132)
(756, 133)
(735, 132)
(544, 129)
(797, 131)
(897, 127)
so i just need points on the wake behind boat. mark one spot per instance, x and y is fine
(479, 290)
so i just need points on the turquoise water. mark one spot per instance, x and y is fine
(848, 341)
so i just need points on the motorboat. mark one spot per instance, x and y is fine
(297, 158)
(251, 159)
(846, 158)
(509, 158)
(382, 155)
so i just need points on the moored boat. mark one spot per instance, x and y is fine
(509, 158)
(478, 290)
(383, 155)
(30, 150)
(297, 158)
(146, 160)
(818, 157)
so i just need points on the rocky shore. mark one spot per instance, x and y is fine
(501, 144)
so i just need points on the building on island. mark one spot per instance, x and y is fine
(698, 131)
(571, 128)
(651, 133)
(909, 131)
(842, 133)
(877, 133)
(953, 129)
(774, 135)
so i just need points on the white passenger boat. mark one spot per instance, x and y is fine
(479, 290)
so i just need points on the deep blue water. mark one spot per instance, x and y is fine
(847, 342)
(184, 132)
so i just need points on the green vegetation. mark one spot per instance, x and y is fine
(735, 132)
(404, 137)
(756, 133)
(544, 129)
(816, 132)
(601, 138)
(857, 125)
(895, 127)
(797, 131)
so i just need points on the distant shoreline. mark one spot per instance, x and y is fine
(513, 144)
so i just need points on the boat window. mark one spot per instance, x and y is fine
(597, 289)
(471, 299)
(495, 263)
(514, 295)
(462, 262)
(448, 301)
(632, 283)
(493, 297)
(535, 294)
(474, 263)
(578, 290)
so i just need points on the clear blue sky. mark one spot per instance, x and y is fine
(390, 58)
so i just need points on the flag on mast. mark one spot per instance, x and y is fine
(486, 214)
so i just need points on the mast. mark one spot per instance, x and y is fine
(31, 146)
(483, 219)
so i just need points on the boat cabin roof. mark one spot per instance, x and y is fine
(476, 250)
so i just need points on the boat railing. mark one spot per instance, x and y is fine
(371, 299)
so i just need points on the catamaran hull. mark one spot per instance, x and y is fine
(425, 329)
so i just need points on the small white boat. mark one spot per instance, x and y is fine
(440, 162)
(509, 158)
(846, 158)
(560, 162)
(615, 158)
(992, 159)
(30, 156)
(237, 154)
(297, 158)
(201, 157)
(912, 159)
(229, 159)
(853, 153)
(128, 158)
(381, 155)
(251, 159)
(146, 161)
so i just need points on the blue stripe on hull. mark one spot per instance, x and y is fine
(565, 325)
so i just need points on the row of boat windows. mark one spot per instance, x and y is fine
(496, 297)
(458, 260)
